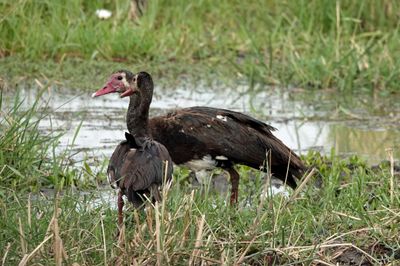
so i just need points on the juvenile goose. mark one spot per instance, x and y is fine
(206, 137)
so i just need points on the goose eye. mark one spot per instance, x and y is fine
(119, 77)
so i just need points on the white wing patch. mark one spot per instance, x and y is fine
(206, 163)
(223, 118)
(221, 157)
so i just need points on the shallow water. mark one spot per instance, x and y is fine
(363, 125)
(317, 120)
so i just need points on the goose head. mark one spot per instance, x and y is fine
(126, 84)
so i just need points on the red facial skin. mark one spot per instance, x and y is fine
(114, 85)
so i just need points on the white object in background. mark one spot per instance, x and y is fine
(103, 13)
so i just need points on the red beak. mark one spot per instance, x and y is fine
(106, 90)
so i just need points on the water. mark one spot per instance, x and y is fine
(304, 120)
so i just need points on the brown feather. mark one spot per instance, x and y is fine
(139, 168)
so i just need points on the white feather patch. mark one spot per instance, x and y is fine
(205, 163)
(223, 118)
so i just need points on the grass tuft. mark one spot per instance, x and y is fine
(28, 157)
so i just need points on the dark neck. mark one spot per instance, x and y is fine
(137, 117)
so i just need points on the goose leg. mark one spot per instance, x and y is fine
(235, 184)
(120, 207)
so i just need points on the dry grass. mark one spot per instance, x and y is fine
(321, 226)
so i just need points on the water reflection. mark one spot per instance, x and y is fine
(369, 143)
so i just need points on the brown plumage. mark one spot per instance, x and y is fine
(205, 137)
(218, 132)
(137, 168)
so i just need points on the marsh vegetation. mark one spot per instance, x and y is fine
(332, 62)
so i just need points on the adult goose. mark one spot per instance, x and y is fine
(139, 165)
(205, 137)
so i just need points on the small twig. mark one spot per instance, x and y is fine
(199, 237)
(349, 113)
(323, 262)
(24, 246)
(165, 189)
(39, 84)
(149, 220)
(104, 241)
(121, 237)
(203, 262)
(158, 235)
(27, 258)
(331, 239)
(29, 211)
(313, 247)
(391, 159)
(392, 211)
(346, 215)
(57, 244)
(241, 258)
(292, 230)
(3, 261)
(396, 215)
(200, 257)
(185, 232)
(267, 184)
(255, 225)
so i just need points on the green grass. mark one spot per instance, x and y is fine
(346, 45)
(352, 216)
(28, 157)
